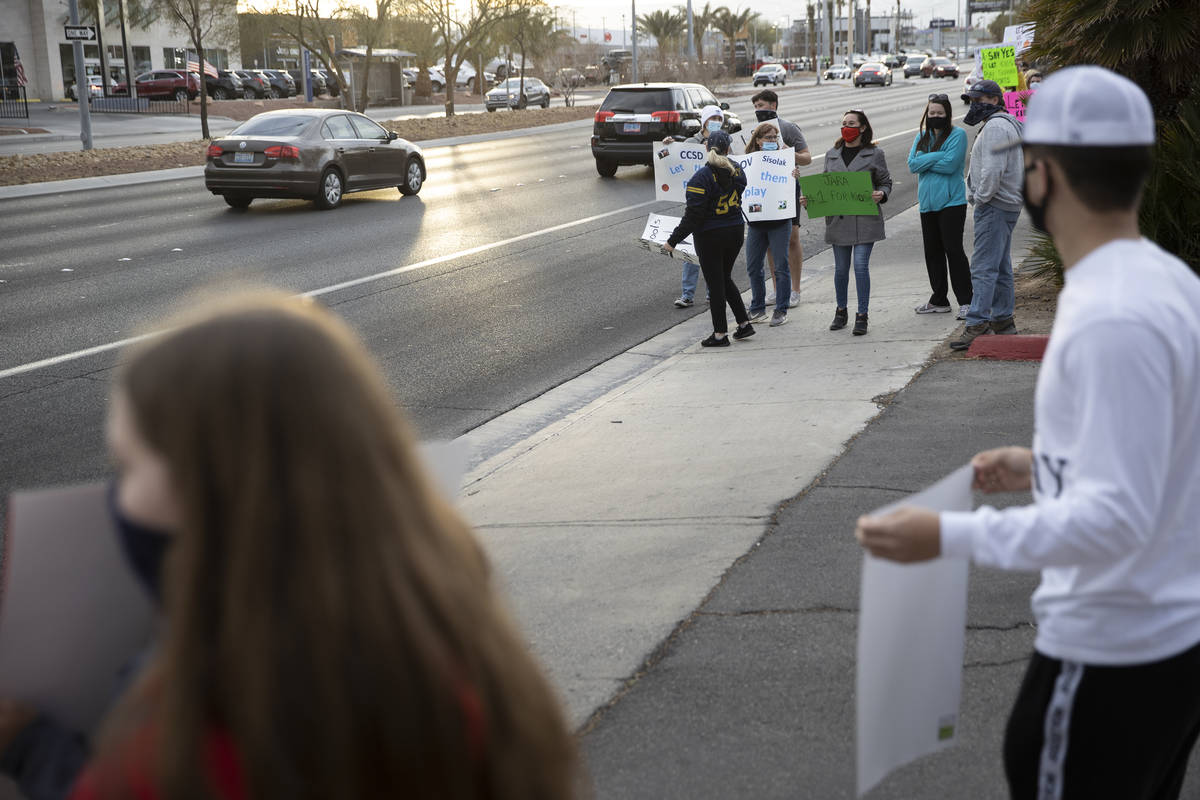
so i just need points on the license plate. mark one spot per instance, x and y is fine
(632, 127)
(243, 158)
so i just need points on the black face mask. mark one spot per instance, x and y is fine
(145, 547)
(1037, 214)
(979, 112)
(937, 123)
(764, 114)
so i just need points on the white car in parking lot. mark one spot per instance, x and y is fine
(774, 74)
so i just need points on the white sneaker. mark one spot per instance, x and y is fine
(793, 299)
(770, 297)
(929, 308)
(962, 312)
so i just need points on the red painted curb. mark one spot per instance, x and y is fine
(1009, 348)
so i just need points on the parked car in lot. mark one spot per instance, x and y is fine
(317, 154)
(509, 94)
(837, 72)
(774, 74)
(331, 82)
(318, 81)
(164, 84)
(282, 84)
(872, 72)
(226, 86)
(635, 118)
(254, 86)
(95, 87)
(569, 76)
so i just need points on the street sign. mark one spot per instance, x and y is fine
(83, 33)
(941, 23)
(978, 6)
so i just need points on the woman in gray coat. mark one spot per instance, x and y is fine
(853, 237)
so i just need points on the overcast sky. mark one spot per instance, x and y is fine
(608, 12)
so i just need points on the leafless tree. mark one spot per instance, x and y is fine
(203, 20)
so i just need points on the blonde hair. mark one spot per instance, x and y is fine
(326, 607)
(715, 159)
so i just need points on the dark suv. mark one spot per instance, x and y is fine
(634, 118)
(281, 84)
(226, 86)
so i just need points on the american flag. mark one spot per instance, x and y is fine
(194, 66)
(21, 79)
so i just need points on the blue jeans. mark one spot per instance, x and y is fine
(992, 294)
(758, 240)
(691, 276)
(862, 275)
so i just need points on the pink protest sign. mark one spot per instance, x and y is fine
(1014, 103)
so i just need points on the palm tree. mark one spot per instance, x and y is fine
(1153, 43)
(812, 25)
(665, 26)
(730, 24)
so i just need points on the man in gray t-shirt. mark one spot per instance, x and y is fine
(766, 105)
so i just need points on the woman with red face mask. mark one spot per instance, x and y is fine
(853, 236)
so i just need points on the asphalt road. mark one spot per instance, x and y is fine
(548, 284)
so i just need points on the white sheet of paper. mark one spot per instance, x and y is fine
(658, 229)
(911, 633)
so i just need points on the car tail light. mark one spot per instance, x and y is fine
(665, 116)
(284, 152)
(604, 116)
(215, 151)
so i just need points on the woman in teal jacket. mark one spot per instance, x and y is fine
(937, 157)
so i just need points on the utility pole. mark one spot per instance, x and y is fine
(691, 35)
(633, 16)
(83, 88)
(829, 17)
(852, 38)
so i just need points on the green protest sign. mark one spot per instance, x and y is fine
(838, 193)
(1000, 65)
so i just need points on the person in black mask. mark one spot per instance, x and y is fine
(994, 189)
(937, 157)
(766, 107)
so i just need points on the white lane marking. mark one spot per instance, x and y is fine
(104, 348)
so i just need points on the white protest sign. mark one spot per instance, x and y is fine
(770, 188)
(658, 230)
(674, 166)
(911, 633)
(1021, 35)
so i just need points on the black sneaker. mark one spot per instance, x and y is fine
(839, 319)
(713, 341)
(860, 324)
(744, 332)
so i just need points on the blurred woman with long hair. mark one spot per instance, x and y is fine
(331, 628)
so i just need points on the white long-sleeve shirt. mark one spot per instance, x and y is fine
(1115, 526)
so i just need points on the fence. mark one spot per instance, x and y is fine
(137, 105)
(13, 102)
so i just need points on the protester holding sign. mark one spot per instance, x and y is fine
(331, 623)
(854, 236)
(766, 107)
(770, 236)
(1110, 703)
(937, 157)
(714, 216)
(711, 120)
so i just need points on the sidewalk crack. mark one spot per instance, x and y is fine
(764, 612)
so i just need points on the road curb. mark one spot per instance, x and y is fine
(1009, 348)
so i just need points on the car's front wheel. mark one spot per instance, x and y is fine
(414, 178)
(329, 190)
(490, 109)
(546, 102)
(273, 93)
(237, 200)
(220, 94)
(180, 95)
(606, 168)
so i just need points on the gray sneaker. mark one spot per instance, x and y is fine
(1004, 327)
(962, 312)
(969, 334)
(684, 302)
(778, 318)
(930, 308)
(758, 316)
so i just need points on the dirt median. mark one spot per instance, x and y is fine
(39, 167)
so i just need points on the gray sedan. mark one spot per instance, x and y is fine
(508, 94)
(315, 154)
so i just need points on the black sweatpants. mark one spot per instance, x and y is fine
(943, 235)
(1079, 731)
(717, 250)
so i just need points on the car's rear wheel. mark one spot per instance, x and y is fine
(414, 178)
(490, 109)
(180, 95)
(247, 94)
(220, 94)
(329, 190)
(238, 200)
(606, 168)
(273, 93)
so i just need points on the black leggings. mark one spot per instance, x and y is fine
(943, 235)
(717, 250)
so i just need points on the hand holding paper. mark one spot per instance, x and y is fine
(906, 535)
